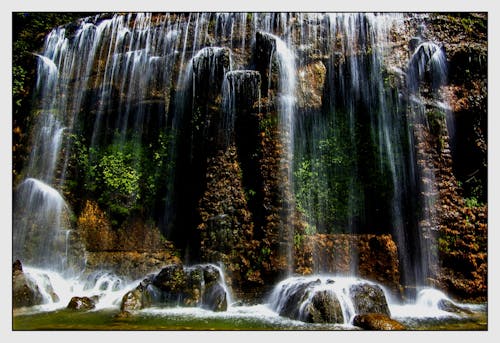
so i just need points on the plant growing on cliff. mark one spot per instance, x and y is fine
(118, 177)
(123, 177)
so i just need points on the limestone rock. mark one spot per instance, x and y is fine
(214, 298)
(294, 299)
(311, 82)
(448, 306)
(171, 279)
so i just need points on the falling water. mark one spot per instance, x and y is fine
(42, 226)
(427, 65)
(351, 158)
(286, 102)
(117, 85)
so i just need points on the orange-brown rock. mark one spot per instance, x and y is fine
(377, 321)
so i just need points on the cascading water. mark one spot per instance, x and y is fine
(351, 156)
(336, 297)
(133, 109)
(427, 65)
(41, 216)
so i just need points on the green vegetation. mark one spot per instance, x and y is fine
(118, 177)
(123, 176)
(472, 202)
(343, 177)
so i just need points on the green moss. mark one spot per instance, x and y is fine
(472, 202)
(436, 120)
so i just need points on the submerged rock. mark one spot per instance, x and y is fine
(122, 315)
(377, 321)
(449, 306)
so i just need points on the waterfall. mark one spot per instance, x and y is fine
(131, 108)
(427, 65)
(41, 224)
(286, 110)
(351, 157)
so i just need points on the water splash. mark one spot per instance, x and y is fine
(427, 304)
(294, 295)
(57, 290)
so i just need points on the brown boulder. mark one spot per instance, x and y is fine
(377, 321)
(136, 299)
(82, 303)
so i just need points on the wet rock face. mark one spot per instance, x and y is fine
(171, 279)
(311, 83)
(368, 298)
(377, 321)
(25, 292)
(265, 46)
(319, 300)
(214, 298)
(209, 67)
(448, 306)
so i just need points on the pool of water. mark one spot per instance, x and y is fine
(258, 317)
